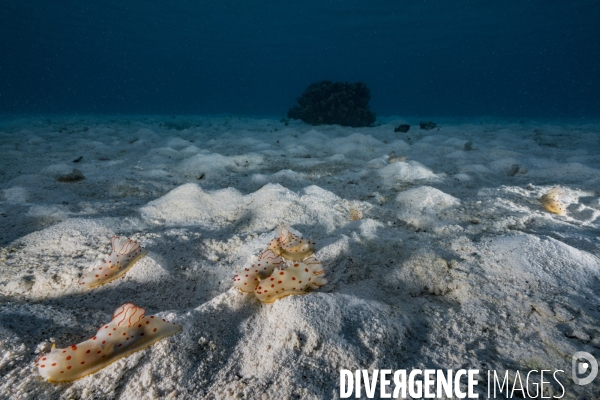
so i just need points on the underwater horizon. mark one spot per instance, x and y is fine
(534, 59)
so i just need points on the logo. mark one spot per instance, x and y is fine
(580, 368)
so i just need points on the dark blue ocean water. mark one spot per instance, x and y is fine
(510, 58)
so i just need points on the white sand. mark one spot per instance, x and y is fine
(454, 265)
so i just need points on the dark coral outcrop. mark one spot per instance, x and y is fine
(342, 103)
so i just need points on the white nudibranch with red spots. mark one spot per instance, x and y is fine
(355, 214)
(125, 252)
(290, 246)
(553, 201)
(129, 331)
(272, 277)
(296, 279)
(247, 279)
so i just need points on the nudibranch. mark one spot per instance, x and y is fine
(128, 332)
(295, 279)
(272, 277)
(355, 214)
(125, 252)
(247, 280)
(552, 202)
(290, 246)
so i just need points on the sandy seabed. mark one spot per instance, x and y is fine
(455, 263)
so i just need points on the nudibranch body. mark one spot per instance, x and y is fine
(128, 332)
(552, 201)
(355, 214)
(290, 246)
(295, 279)
(247, 280)
(125, 252)
(272, 277)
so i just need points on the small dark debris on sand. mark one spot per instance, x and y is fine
(427, 125)
(514, 169)
(402, 128)
(74, 176)
(78, 159)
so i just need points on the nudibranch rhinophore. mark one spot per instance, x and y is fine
(551, 201)
(290, 246)
(128, 332)
(125, 252)
(247, 280)
(295, 279)
(272, 277)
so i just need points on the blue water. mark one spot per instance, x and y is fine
(512, 58)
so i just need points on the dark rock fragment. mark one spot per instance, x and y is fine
(427, 125)
(513, 170)
(73, 176)
(402, 128)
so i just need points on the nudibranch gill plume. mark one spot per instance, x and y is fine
(125, 252)
(129, 331)
(290, 246)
